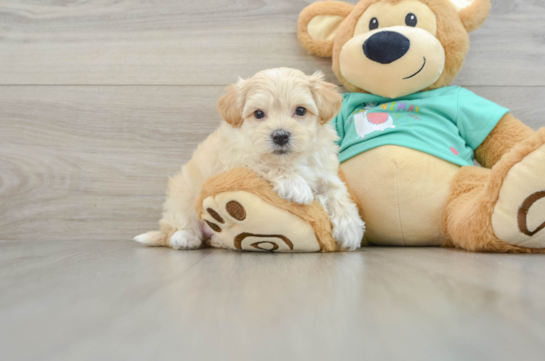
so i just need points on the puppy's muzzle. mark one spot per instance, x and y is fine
(280, 137)
(386, 47)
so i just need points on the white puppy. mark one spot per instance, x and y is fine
(275, 125)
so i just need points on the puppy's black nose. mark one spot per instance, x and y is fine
(385, 47)
(280, 137)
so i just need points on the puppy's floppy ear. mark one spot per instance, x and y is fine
(230, 107)
(318, 25)
(473, 13)
(328, 100)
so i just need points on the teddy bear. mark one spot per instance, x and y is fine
(407, 141)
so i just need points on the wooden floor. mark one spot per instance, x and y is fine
(74, 300)
(102, 100)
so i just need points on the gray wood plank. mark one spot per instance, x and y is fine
(76, 160)
(206, 42)
(91, 163)
(120, 301)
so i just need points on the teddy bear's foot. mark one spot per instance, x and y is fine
(243, 221)
(519, 214)
(502, 209)
(245, 214)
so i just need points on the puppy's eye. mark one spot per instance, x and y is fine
(259, 114)
(373, 24)
(300, 111)
(411, 20)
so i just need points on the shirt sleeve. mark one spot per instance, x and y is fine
(338, 122)
(477, 117)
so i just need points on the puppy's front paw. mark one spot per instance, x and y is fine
(185, 240)
(348, 231)
(215, 242)
(294, 190)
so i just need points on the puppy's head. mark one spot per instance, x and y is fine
(278, 113)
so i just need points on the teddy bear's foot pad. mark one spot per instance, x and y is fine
(243, 221)
(519, 214)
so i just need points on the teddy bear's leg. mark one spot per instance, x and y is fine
(502, 209)
(244, 213)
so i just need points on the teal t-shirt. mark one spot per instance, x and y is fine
(449, 123)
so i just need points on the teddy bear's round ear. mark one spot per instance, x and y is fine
(473, 13)
(318, 25)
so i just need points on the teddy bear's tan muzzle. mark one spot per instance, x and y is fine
(393, 62)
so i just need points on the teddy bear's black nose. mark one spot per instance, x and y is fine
(385, 47)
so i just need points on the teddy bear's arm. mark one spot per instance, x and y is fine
(508, 132)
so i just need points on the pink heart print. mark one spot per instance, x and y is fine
(453, 150)
(378, 118)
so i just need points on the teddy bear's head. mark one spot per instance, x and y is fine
(392, 48)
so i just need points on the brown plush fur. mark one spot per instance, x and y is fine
(474, 192)
(322, 48)
(475, 14)
(243, 179)
(508, 132)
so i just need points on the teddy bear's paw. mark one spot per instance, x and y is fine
(243, 221)
(519, 214)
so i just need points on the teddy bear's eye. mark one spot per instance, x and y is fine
(411, 20)
(373, 24)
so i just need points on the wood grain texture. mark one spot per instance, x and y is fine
(91, 163)
(84, 160)
(121, 301)
(211, 42)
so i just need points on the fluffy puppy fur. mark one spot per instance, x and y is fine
(302, 166)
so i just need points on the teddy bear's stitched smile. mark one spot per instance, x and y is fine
(415, 74)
